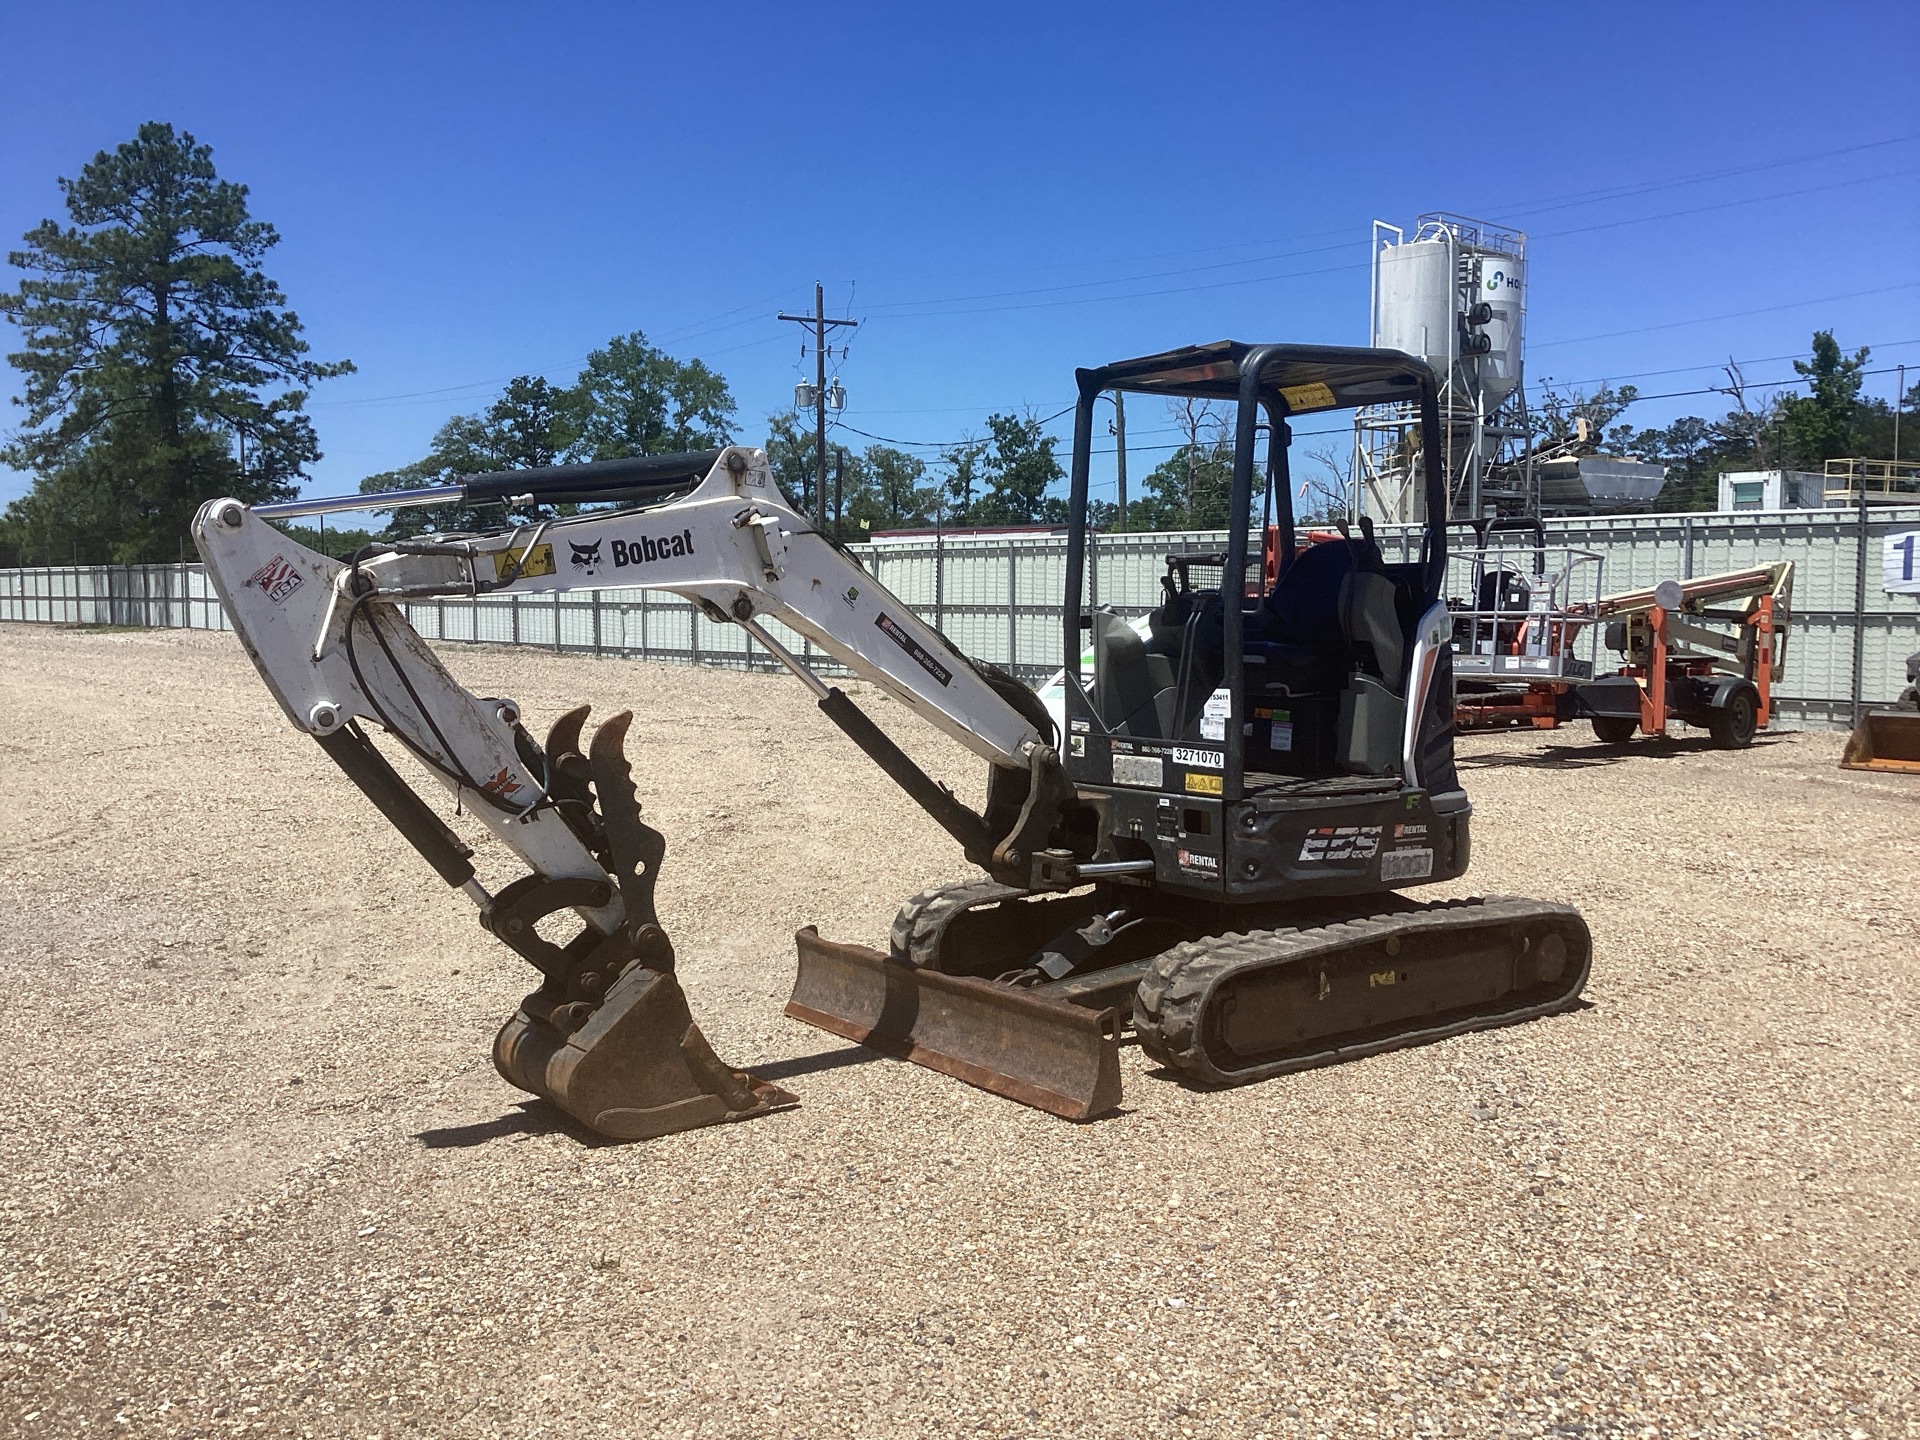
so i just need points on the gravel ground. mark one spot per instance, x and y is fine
(261, 1177)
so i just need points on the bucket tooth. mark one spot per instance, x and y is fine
(635, 1068)
(1051, 1054)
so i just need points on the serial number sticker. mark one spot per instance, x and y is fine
(1214, 715)
(1148, 770)
(1406, 864)
(1201, 783)
(539, 561)
(1313, 396)
(1205, 759)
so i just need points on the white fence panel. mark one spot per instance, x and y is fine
(998, 597)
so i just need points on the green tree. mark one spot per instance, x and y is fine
(1874, 424)
(634, 399)
(528, 426)
(161, 366)
(791, 456)
(1192, 489)
(1018, 469)
(629, 399)
(889, 494)
(1574, 415)
(1822, 425)
(962, 482)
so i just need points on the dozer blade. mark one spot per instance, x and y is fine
(1050, 1054)
(1884, 740)
(639, 1067)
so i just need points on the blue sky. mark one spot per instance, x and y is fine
(1001, 193)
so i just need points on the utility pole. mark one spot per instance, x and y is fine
(1120, 457)
(820, 324)
(1899, 404)
(839, 474)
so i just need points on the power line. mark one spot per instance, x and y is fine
(903, 310)
(1715, 365)
(1547, 205)
(693, 330)
(725, 320)
(1731, 315)
(949, 445)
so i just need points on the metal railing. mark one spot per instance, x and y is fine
(1882, 482)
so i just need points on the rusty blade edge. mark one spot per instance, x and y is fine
(1100, 1030)
(1000, 1083)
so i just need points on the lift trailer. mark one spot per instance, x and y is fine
(1688, 656)
(1680, 668)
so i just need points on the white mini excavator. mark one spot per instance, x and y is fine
(1210, 855)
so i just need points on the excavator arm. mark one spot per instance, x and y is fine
(608, 1036)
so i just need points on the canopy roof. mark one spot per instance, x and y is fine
(1303, 377)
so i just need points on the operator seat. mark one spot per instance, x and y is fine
(1373, 706)
(1132, 689)
(1297, 636)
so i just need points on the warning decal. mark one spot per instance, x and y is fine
(538, 561)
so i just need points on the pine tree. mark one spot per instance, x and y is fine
(161, 366)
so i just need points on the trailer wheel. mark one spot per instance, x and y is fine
(1732, 725)
(1614, 729)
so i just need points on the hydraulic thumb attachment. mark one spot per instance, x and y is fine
(608, 1036)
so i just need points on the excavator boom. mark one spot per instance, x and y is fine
(608, 1036)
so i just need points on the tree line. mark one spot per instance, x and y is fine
(161, 366)
(1787, 431)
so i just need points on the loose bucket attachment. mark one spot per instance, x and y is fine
(1884, 740)
(639, 1067)
(1051, 1054)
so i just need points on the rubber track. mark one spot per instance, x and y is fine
(915, 937)
(1170, 1006)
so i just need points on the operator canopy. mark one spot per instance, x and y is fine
(1304, 378)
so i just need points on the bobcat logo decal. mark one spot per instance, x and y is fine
(585, 557)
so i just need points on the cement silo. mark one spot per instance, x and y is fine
(1452, 291)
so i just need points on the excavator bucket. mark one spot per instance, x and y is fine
(609, 1037)
(639, 1067)
(1884, 740)
(1051, 1054)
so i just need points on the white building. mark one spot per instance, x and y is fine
(1772, 490)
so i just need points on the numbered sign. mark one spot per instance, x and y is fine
(1900, 564)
